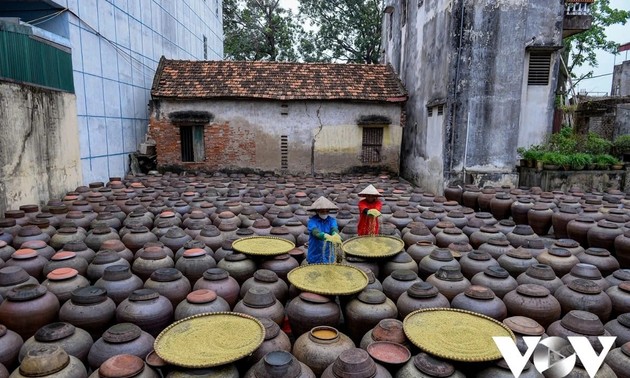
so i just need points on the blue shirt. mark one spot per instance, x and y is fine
(320, 251)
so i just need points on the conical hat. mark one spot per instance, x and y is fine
(370, 190)
(322, 203)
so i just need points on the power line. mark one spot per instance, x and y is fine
(594, 77)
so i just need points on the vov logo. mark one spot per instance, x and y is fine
(544, 350)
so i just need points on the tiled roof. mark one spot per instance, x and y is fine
(276, 80)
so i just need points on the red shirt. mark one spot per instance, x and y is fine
(367, 222)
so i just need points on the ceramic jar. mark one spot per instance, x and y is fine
(500, 205)
(98, 235)
(400, 261)
(358, 363)
(425, 365)
(523, 326)
(219, 281)
(560, 221)
(281, 265)
(475, 262)
(620, 297)
(66, 259)
(520, 208)
(579, 323)
(398, 282)
(267, 278)
(570, 245)
(481, 300)
(584, 295)
(260, 302)
(194, 262)
(603, 235)
(539, 218)
(390, 330)
(200, 301)
(450, 235)
(496, 279)
(27, 308)
(319, 348)
(63, 281)
(533, 301)
(540, 274)
(366, 310)
(10, 344)
(622, 248)
(516, 261)
(418, 234)
(101, 261)
(27, 233)
(170, 283)
(146, 308)
(496, 247)
(618, 359)
(614, 279)
(89, 308)
(124, 365)
(30, 261)
(39, 246)
(309, 310)
(601, 258)
(12, 277)
(535, 247)
(81, 250)
(119, 282)
(75, 341)
(587, 272)
(149, 260)
(437, 258)
(578, 228)
(559, 259)
(520, 234)
(122, 338)
(420, 295)
(49, 361)
(279, 364)
(450, 281)
(211, 236)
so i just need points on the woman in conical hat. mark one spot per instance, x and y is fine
(322, 233)
(369, 211)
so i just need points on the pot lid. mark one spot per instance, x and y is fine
(354, 362)
(422, 290)
(122, 333)
(401, 257)
(29, 231)
(75, 246)
(560, 252)
(372, 296)
(522, 229)
(43, 360)
(479, 292)
(534, 244)
(587, 271)
(121, 366)
(259, 297)
(116, 273)
(278, 363)
(24, 254)
(583, 322)
(441, 254)
(143, 295)
(13, 275)
(313, 298)
(566, 243)
(265, 275)
(389, 330)
(499, 241)
(235, 257)
(620, 274)
(625, 349)
(449, 273)
(404, 275)
(215, 274)
(625, 286)
(105, 257)
(201, 296)
(60, 274)
(489, 229)
(88, 295)
(532, 290)
(433, 366)
(606, 224)
(479, 256)
(54, 331)
(26, 292)
(63, 255)
(166, 275)
(496, 272)
(624, 319)
(584, 286)
(541, 272)
(599, 252)
(585, 219)
(194, 252)
(34, 244)
(524, 326)
(519, 253)
(272, 329)
(152, 253)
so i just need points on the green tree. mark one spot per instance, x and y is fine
(260, 30)
(581, 48)
(342, 30)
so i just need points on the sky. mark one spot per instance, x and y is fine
(606, 61)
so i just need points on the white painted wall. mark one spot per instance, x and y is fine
(116, 46)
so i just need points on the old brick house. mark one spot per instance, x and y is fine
(273, 116)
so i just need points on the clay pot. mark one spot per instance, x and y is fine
(450, 235)
(27, 308)
(200, 301)
(50, 361)
(570, 245)
(98, 235)
(520, 234)
(559, 259)
(260, 302)
(146, 308)
(268, 279)
(219, 281)
(475, 262)
(560, 221)
(358, 363)
(619, 327)
(150, 260)
(618, 359)
(578, 228)
(533, 301)
(281, 265)
(27, 233)
(500, 205)
(10, 344)
(30, 261)
(194, 263)
(75, 341)
(496, 247)
(539, 218)
(275, 340)
(523, 326)
(364, 264)
(279, 364)
(496, 279)
(5, 249)
(119, 282)
(400, 261)
(398, 282)
(579, 323)
(239, 266)
(66, 259)
(534, 246)
(505, 226)
(42, 249)
(319, 348)
(424, 365)
(601, 258)
(584, 295)
(366, 310)
(89, 308)
(501, 370)
(175, 238)
(416, 235)
(540, 274)
(481, 300)
(170, 283)
(102, 261)
(390, 330)
(603, 235)
(124, 365)
(438, 258)
(81, 250)
(211, 236)
(587, 272)
(516, 261)
(12, 277)
(620, 297)
(520, 208)
(310, 310)
(138, 237)
(420, 295)
(449, 281)
(470, 197)
(614, 279)
(63, 281)
(122, 338)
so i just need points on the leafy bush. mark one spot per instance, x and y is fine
(555, 158)
(605, 159)
(580, 159)
(565, 141)
(596, 145)
(622, 144)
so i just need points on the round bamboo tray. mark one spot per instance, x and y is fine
(328, 279)
(263, 245)
(373, 246)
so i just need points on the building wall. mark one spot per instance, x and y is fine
(322, 136)
(621, 79)
(116, 46)
(39, 148)
(470, 57)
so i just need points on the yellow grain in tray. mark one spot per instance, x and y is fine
(328, 279)
(263, 245)
(373, 246)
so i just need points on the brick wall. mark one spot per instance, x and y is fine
(224, 146)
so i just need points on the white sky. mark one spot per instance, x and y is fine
(606, 61)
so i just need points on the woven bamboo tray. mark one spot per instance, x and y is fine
(455, 334)
(263, 245)
(209, 339)
(328, 279)
(373, 246)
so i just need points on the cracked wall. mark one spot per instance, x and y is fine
(39, 145)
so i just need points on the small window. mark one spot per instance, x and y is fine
(440, 110)
(430, 112)
(205, 47)
(192, 144)
(372, 145)
(403, 16)
(284, 152)
(284, 109)
(539, 67)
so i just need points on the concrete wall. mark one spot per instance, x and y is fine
(116, 46)
(471, 57)
(322, 136)
(39, 147)
(565, 180)
(621, 80)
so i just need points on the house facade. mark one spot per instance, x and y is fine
(481, 77)
(274, 116)
(115, 48)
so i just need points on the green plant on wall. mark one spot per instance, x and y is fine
(622, 145)
(580, 160)
(604, 160)
(555, 158)
(596, 145)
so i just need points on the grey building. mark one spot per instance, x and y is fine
(481, 77)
